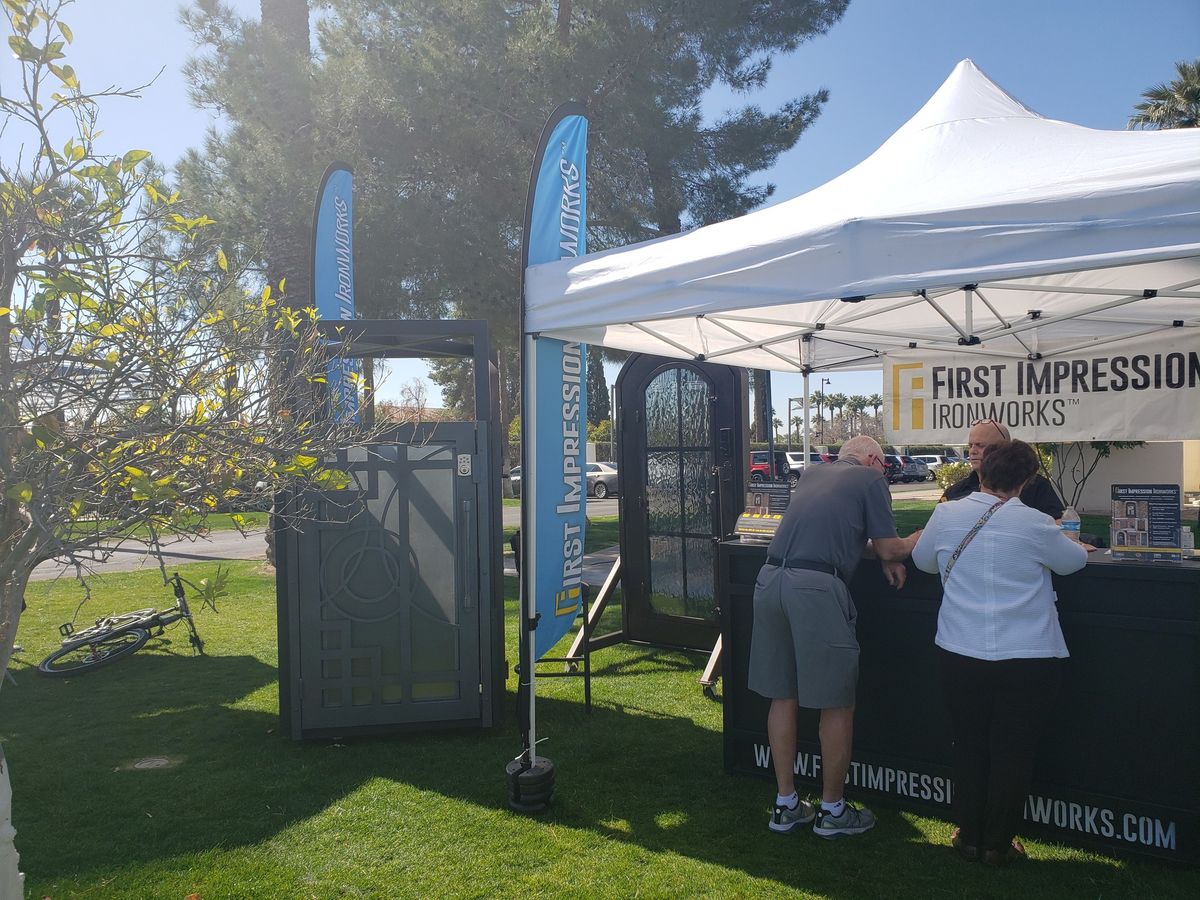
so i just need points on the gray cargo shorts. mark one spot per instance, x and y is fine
(804, 643)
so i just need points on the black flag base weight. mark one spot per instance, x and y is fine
(530, 787)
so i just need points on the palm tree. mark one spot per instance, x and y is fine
(875, 402)
(1171, 105)
(857, 405)
(837, 402)
(818, 399)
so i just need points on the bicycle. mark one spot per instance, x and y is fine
(117, 636)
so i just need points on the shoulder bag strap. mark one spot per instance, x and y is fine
(970, 536)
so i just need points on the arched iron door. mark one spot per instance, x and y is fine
(681, 430)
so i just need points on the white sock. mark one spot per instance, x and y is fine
(836, 808)
(788, 801)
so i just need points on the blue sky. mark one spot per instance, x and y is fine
(1083, 61)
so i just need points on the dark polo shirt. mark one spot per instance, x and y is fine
(1039, 494)
(833, 510)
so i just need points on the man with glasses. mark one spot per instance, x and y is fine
(804, 649)
(1039, 494)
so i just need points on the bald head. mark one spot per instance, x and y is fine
(862, 448)
(983, 435)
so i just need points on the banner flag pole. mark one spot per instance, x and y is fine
(553, 440)
(333, 278)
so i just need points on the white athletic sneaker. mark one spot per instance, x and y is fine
(852, 821)
(785, 819)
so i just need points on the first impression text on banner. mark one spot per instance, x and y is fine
(1143, 389)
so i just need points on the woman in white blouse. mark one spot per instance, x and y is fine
(1000, 645)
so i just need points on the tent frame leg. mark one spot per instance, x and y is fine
(711, 675)
(584, 637)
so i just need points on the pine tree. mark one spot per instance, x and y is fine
(438, 106)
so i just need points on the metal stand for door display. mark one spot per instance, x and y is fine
(682, 430)
(391, 600)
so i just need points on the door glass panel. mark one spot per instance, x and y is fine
(695, 410)
(701, 594)
(679, 460)
(662, 410)
(662, 491)
(433, 607)
(666, 576)
(696, 491)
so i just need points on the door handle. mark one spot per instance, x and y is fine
(469, 556)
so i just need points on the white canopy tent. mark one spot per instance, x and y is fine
(979, 224)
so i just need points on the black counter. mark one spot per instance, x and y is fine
(1120, 765)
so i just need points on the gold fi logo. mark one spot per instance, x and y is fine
(916, 383)
(566, 603)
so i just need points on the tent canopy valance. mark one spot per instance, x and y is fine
(979, 224)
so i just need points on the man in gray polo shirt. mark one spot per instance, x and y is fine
(804, 650)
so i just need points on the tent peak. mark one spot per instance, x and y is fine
(968, 93)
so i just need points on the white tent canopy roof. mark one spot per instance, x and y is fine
(978, 223)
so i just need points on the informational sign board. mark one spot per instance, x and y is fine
(1144, 389)
(1145, 522)
(765, 506)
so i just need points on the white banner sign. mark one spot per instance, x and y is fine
(1143, 389)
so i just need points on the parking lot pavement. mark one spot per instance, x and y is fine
(922, 490)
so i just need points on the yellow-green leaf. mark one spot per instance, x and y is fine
(66, 32)
(133, 157)
(21, 491)
(222, 261)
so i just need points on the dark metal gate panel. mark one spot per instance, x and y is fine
(389, 609)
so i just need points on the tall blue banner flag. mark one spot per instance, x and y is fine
(555, 385)
(333, 278)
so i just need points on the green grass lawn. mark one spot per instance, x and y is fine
(643, 806)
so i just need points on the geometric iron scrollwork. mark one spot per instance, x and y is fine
(362, 571)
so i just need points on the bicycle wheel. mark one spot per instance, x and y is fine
(84, 656)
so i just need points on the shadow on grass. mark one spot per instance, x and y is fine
(639, 776)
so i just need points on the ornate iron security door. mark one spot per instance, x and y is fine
(387, 625)
(679, 430)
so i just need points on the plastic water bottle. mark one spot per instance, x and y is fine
(1070, 523)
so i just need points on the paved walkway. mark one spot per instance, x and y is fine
(219, 545)
(222, 545)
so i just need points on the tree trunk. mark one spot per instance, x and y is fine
(285, 26)
(12, 595)
(12, 882)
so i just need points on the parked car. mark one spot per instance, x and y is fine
(760, 468)
(795, 458)
(914, 470)
(603, 480)
(934, 460)
(514, 478)
(893, 468)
